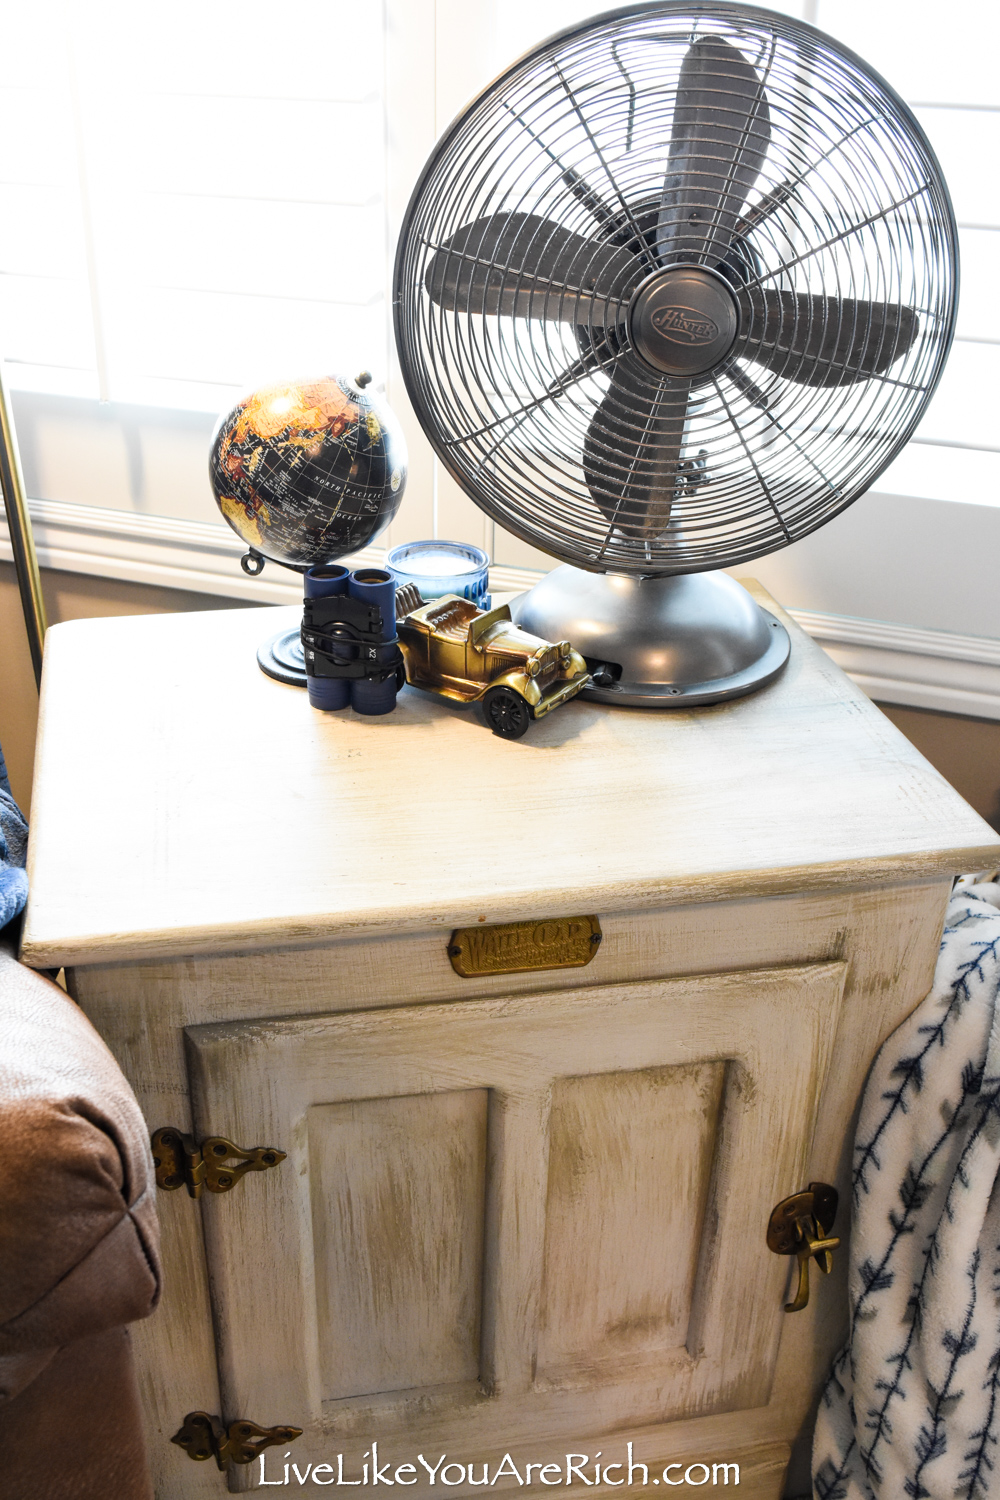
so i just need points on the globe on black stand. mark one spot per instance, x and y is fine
(306, 472)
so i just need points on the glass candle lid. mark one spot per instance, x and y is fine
(438, 567)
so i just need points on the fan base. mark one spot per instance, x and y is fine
(664, 642)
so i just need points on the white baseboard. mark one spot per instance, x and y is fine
(911, 666)
(902, 664)
(197, 556)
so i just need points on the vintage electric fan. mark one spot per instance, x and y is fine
(669, 295)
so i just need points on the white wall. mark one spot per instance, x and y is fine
(934, 564)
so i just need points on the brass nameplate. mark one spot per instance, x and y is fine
(521, 947)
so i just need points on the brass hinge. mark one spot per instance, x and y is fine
(181, 1162)
(202, 1436)
(800, 1225)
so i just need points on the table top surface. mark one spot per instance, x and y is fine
(184, 803)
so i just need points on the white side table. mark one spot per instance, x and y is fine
(521, 1212)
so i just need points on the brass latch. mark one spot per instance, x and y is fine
(800, 1225)
(181, 1162)
(202, 1436)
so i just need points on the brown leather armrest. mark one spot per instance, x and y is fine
(78, 1230)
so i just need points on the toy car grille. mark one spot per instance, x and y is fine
(499, 661)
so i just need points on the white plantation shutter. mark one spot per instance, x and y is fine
(193, 197)
(200, 198)
(943, 60)
(193, 202)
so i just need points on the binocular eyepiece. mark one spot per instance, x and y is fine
(349, 644)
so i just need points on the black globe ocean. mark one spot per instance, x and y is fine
(308, 471)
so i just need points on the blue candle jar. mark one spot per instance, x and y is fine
(443, 568)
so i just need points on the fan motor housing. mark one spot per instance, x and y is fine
(683, 320)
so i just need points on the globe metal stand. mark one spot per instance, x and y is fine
(280, 657)
(658, 642)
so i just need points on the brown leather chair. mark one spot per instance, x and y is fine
(78, 1252)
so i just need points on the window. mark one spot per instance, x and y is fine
(203, 198)
(194, 202)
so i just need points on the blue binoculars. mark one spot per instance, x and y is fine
(349, 644)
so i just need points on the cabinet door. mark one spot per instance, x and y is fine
(515, 1220)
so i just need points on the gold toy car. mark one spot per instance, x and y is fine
(452, 648)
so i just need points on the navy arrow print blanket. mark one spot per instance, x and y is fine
(912, 1407)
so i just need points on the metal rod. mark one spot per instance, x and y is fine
(640, 241)
(22, 541)
(737, 428)
(577, 185)
(565, 380)
(835, 239)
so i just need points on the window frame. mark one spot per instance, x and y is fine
(928, 576)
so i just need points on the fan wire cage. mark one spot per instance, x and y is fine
(723, 151)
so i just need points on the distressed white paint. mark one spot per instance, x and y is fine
(254, 902)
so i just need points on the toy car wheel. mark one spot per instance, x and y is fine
(400, 679)
(506, 713)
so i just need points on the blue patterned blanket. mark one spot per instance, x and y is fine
(13, 846)
(912, 1407)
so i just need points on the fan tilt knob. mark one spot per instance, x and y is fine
(683, 320)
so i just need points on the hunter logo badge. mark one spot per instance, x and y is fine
(683, 325)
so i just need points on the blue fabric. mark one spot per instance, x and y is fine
(13, 849)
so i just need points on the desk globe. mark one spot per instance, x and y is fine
(307, 471)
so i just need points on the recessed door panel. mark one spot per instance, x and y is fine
(630, 1158)
(397, 1196)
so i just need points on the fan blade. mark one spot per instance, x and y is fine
(721, 135)
(531, 267)
(632, 449)
(823, 341)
